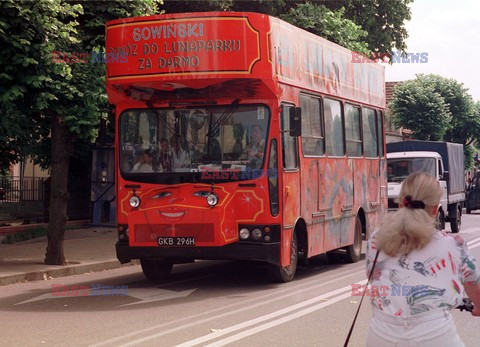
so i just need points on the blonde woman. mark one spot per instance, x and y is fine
(420, 274)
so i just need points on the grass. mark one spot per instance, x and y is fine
(25, 235)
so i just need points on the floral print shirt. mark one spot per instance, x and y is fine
(423, 280)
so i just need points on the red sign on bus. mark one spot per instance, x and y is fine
(183, 46)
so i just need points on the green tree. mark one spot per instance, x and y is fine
(329, 24)
(464, 126)
(341, 21)
(418, 107)
(384, 20)
(437, 108)
(49, 103)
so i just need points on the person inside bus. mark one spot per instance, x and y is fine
(165, 157)
(180, 157)
(424, 272)
(256, 147)
(213, 149)
(145, 163)
(390, 173)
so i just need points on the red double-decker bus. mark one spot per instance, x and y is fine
(240, 136)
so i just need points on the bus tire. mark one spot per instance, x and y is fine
(282, 274)
(455, 219)
(155, 270)
(354, 251)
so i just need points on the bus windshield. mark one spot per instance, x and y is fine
(157, 145)
(399, 169)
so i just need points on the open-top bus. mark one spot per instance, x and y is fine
(240, 136)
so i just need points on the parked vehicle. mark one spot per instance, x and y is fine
(472, 201)
(443, 160)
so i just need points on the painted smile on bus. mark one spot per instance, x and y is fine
(172, 214)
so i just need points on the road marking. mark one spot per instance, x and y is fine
(145, 295)
(276, 322)
(212, 315)
(275, 314)
(227, 310)
(473, 245)
(468, 231)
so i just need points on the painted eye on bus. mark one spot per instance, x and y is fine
(162, 195)
(202, 193)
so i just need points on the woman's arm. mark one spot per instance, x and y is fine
(473, 292)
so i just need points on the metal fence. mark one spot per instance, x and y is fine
(27, 199)
(22, 198)
(16, 189)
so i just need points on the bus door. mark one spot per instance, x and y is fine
(312, 165)
(291, 184)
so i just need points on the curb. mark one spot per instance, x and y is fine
(68, 270)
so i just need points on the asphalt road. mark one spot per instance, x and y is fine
(203, 304)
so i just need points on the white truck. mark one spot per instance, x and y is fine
(444, 161)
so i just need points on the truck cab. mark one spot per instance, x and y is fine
(402, 164)
(442, 160)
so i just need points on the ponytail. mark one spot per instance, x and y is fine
(412, 226)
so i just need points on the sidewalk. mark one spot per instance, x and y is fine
(86, 250)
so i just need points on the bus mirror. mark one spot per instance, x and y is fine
(295, 121)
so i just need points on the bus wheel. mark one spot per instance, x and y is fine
(156, 269)
(355, 251)
(285, 274)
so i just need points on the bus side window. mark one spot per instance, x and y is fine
(334, 135)
(289, 150)
(380, 133)
(353, 135)
(312, 126)
(273, 179)
(370, 140)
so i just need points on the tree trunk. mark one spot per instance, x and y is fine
(61, 151)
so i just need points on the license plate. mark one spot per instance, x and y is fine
(176, 241)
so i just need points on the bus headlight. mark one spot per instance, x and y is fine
(244, 233)
(212, 199)
(256, 234)
(134, 201)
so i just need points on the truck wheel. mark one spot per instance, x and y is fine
(281, 274)
(355, 251)
(440, 221)
(156, 270)
(456, 219)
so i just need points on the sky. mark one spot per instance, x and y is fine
(449, 31)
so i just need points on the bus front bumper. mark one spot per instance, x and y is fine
(265, 252)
